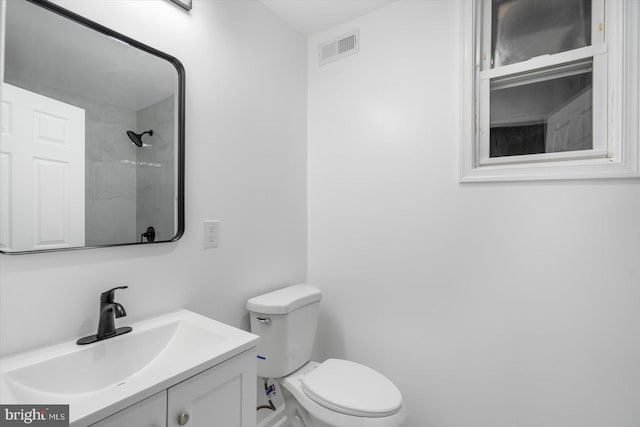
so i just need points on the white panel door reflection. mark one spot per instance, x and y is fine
(570, 128)
(41, 172)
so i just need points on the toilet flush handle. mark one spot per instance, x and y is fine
(264, 320)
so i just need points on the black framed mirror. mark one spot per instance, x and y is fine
(91, 136)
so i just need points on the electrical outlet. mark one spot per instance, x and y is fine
(211, 233)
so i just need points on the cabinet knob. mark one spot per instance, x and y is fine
(183, 418)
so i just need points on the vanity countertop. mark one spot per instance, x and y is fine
(99, 379)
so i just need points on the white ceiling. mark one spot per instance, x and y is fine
(45, 49)
(313, 16)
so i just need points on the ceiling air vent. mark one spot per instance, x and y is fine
(338, 48)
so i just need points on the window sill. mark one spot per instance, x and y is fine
(560, 170)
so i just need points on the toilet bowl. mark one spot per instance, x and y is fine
(341, 393)
(334, 393)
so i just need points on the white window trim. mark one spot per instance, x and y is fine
(622, 158)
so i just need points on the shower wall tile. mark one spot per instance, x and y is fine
(156, 170)
(110, 231)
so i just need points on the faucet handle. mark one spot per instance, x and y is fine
(107, 297)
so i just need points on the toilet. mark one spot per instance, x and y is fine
(334, 393)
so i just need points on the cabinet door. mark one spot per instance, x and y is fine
(150, 412)
(222, 396)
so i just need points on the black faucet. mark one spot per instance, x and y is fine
(109, 312)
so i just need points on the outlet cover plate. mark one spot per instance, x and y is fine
(211, 233)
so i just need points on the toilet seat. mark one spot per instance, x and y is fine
(353, 389)
(323, 416)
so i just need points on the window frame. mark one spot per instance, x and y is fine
(615, 52)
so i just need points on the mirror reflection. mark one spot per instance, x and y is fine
(91, 134)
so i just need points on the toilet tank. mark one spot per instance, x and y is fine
(286, 322)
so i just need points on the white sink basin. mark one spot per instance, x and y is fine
(95, 367)
(101, 378)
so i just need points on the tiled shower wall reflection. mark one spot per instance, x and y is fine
(156, 170)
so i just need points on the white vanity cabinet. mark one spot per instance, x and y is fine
(151, 412)
(224, 396)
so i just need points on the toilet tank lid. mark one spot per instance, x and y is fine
(284, 300)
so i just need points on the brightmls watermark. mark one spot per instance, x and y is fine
(34, 415)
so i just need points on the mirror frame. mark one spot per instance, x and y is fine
(54, 8)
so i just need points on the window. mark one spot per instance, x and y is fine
(550, 89)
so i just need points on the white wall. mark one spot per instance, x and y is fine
(495, 305)
(491, 305)
(245, 165)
